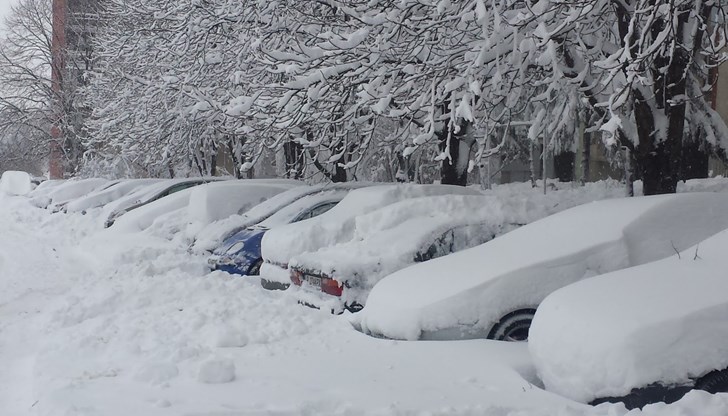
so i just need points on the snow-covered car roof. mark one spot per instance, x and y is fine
(466, 293)
(338, 224)
(664, 322)
(104, 196)
(211, 236)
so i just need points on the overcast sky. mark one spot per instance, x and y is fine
(5, 8)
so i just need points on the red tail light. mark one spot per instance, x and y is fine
(331, 287)
(296, 277)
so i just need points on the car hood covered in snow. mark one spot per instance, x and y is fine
(464, 294)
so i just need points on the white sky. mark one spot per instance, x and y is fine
(5, 9)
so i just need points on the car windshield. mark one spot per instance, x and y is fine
(293, 212)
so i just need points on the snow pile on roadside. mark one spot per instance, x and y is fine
(15, 183)
(665, 322)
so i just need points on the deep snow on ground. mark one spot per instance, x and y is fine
(97, 323)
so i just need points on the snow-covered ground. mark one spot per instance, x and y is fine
(101, 323)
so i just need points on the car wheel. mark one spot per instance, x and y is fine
(255, 268)
(514, 326)
(714, 382)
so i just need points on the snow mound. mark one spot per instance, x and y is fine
(15, 182)
(217, 370)
(664, 322)
(157, 373)
(466, 293)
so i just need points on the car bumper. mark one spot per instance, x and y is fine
(231, 265)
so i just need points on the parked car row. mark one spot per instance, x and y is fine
(620, 300)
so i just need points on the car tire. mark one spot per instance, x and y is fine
(513, 326)
(713, 382)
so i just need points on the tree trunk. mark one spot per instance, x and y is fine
(564, 166)
(293, 153)
(657, 159)
(454, 168)
(694, 163)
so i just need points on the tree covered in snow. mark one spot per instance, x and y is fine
(25, 86)
(380, 88)
(642, 67)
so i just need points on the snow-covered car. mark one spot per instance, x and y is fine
(115, 191)
(68, 191)
(493, 290)
(148, 194)
(339, 277)
(640, 335)
(240, 253)
(335, 226)
(182, 214)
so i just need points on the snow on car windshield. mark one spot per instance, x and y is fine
(288, 213)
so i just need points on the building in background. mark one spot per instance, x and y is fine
(74, 23)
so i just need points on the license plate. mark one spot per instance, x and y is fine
(314, 281)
